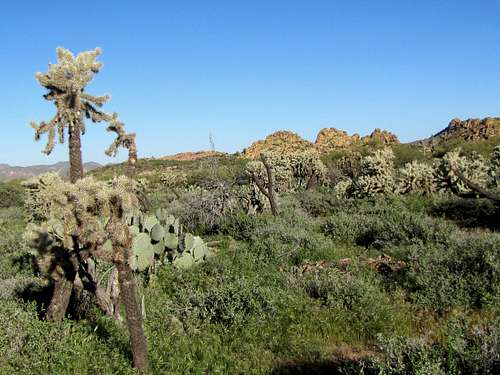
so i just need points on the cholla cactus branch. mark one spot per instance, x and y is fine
(478, 189)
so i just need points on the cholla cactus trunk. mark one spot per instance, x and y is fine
(64, 278)
(63, 285)
(122, 242)
(75, 155)
(132, 160)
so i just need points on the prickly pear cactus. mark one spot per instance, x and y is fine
(160, 239)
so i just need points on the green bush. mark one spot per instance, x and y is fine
(462, 272)
(356, 297)
(11, 194)
(383, 224)
(467, 348)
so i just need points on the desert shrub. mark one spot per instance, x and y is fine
(74, 348)
(405, 153)
(355, 296)
(382, 225)
(320, 202)
(461, 272)
(468, 213)
(201, 210)
(232, 302)
(11, 194)
(467, 348)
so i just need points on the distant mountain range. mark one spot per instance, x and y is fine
(8, 172)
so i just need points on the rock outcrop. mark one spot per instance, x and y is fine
(283, 142)
(331, 138)
(327, 140)
(381, 136)
(467, 130)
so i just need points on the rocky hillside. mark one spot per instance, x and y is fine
(8, 172)
(283, 141)
(467, 130)
(327, 140)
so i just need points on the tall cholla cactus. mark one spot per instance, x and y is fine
(377, 174)
(66, 81)
(416, 177)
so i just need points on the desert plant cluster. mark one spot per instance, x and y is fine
(385, 261)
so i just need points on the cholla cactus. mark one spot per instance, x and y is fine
(377, 174)
(307, 168)
(416, 177)
(291, 172)
(173, 178)
(343, 188)
(74, 210)
(66, 82)
(474, 169)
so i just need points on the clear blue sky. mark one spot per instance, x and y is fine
(178, 70)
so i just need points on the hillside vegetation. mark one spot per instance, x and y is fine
(398, 284)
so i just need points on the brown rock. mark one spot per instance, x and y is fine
(467, 130)
(381, 136)
(283, 142)
(331, 138)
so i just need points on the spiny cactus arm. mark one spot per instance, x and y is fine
(50, 129)
(96, 100)
(94, 114)
(478, 189)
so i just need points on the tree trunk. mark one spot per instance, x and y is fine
(75, 154)
(270, 185)
(60, 300)
(132, 159)
(64, 278)
(128, 296)
(64, 285)
(122, 241)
